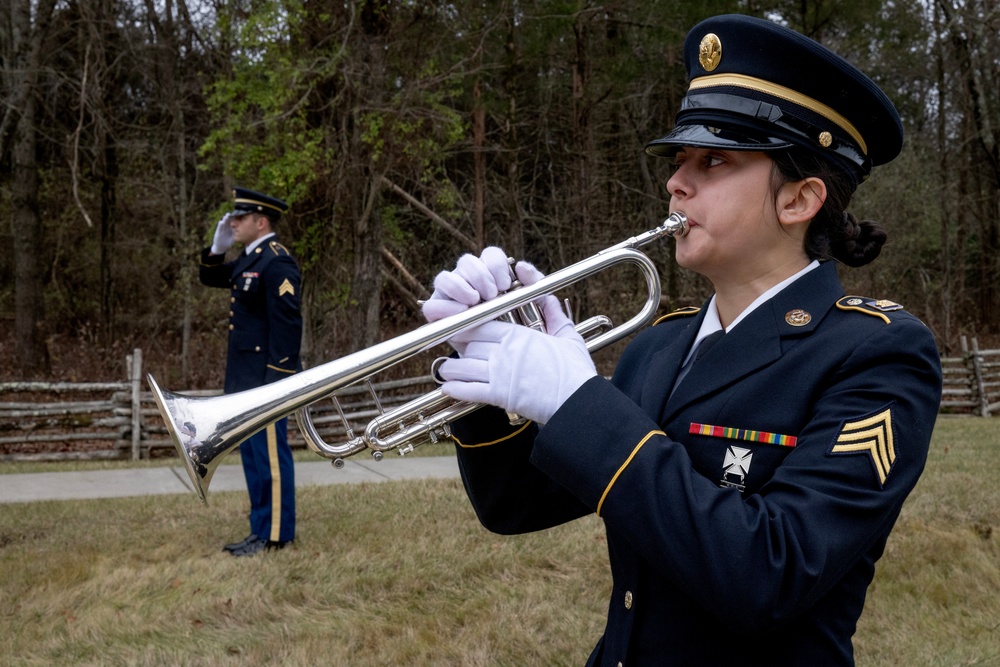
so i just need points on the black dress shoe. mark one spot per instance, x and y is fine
(242, 543)
(258, 545)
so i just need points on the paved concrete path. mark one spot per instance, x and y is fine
(31, 487)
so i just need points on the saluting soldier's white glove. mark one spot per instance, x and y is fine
(523, 371)
(223, 239)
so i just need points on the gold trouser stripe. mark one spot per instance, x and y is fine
(753, 83)
(272, 455)
(631, 456)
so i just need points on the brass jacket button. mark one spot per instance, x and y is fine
(628, 599)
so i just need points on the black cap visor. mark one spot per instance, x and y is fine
(707, 136)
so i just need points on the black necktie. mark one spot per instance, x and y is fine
(703, 346)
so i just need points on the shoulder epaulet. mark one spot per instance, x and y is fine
(874, 307)
(680, 312)
(278, 249)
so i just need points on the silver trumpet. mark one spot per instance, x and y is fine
(205, 429)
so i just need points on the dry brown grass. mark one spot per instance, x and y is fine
(402, 573)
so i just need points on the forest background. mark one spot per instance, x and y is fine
(406, 132)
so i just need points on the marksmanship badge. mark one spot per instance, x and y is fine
(736, 467)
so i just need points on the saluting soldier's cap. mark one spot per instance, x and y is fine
(756, 85)
(247, 201)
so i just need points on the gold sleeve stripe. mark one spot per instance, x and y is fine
(487, 444)
(281, 370)
(617, 474)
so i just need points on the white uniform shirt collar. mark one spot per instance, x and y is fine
(250, 248)
(712, 323)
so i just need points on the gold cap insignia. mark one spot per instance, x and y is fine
(798, 317)
(710, 51)
(286, 288)
(825, 139)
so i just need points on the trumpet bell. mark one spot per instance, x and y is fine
(198, 456)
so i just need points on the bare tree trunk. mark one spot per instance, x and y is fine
(26, 228)
(366, 289)
(974, 52)
(26, 225)
(478, 146)
(187, 241)
(511, 137)
(582, 156)
(944, 181)
(366, 285)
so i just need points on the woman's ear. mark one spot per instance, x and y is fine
(800, 201)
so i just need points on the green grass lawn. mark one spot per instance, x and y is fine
(402, 574)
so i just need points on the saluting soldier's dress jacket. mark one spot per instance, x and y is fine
(265, 321)
(744, 513)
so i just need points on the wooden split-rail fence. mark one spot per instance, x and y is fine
(119, 420)
(44, 421)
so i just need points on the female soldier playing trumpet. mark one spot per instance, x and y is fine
(747, 496)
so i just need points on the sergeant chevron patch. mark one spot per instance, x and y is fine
(286, 288)
(873, 436)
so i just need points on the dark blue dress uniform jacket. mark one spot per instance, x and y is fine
(265, 322)
(726, 550)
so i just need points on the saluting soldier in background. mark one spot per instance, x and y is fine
(265, 333)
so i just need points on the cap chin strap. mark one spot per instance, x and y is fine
(254, 202)
(781, 92)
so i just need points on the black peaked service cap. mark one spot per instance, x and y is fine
(247, 201)
(756, 85)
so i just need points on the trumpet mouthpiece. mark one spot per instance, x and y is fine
(676, 224)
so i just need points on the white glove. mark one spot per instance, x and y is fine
(523, 371)
(223, 239)
(474, 280)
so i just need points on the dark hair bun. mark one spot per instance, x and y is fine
(859, 241)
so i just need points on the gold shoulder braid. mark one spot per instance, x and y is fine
(873, 307)
(278, 249)
(680, 312)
